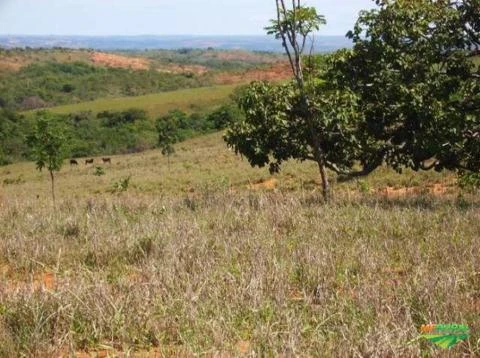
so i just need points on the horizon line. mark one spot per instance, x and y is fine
(155, 35)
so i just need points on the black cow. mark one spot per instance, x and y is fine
(107, 160)
(88, 161)
(73, 162)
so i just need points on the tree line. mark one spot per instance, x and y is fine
(109, 132)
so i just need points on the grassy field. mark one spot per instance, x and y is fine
(157, 104)
(207, 256)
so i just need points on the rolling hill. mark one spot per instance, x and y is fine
(188, 100)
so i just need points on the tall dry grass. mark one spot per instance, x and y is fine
(237, 273)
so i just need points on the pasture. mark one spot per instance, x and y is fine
(207, 256)
(157, 104)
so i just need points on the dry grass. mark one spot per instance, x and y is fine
(193, 260)
(118, 61)
(279, 71)
(16, 60)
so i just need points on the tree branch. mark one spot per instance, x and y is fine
(280, 6)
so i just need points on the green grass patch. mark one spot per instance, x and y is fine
(188, 100)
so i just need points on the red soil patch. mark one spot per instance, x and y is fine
(434, 189)
(277, 72)
(153, 353)
(268, 184)
(12, 63)
(243, 347)
(40, 281)
(172, 68)
(4, 270)
(111, 60)
(240, 55)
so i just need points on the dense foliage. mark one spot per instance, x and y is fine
(419, 91)
(407, 94)
(12, 130)
(276, 127)
(46, 84)
(107, 132)
(305, 119)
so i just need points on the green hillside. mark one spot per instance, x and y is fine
(188, 100)
(37, 78)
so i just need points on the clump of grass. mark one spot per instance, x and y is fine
(121, 185)
(13, 181)
(99, 171)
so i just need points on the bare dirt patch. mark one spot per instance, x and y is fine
(277, 72)
(12, 64)
(37, 282)
(436, 189)
(240, 55)
(174, 68)
(118, 61)
(153, 353)
(268, 184)
(243, 347)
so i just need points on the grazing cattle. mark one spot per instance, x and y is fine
(107, 160)
(73, 162)
(88, 161)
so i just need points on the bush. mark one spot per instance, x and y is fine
(469, 181)
(224, 116)
(121, 185)
(99, 171)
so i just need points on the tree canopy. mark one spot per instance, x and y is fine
(168, 131)
(418, 89)
(407, 94)
(48, 145)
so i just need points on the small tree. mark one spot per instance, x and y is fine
(168, 135)
(48, 146)
(306, 119)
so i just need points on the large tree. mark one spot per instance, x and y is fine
(305, 119)
(417, 86)
(407, 94)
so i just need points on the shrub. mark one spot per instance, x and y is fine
(99, 171)
(121, 185)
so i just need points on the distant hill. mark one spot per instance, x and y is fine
(39, 78)
(252, 43)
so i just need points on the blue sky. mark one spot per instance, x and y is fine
(160, 17)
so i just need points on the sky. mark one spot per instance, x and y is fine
(161, 17)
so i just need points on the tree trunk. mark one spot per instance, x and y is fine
(319, 158)
(52, 177)
(295, 60)
(325, 182)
